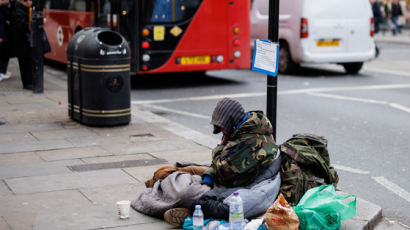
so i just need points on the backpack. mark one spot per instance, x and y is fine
(305, 165)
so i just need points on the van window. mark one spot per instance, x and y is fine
(327, 9)
(77, 5)
(166, 11)
(262, 6)
(357, 9)
(286, 8)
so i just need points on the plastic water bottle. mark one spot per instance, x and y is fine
(198, 218)
(236, 212)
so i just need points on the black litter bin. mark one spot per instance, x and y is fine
(99, 78)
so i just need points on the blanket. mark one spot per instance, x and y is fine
(177, 190)
(183, 190)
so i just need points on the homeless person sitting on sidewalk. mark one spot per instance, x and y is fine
(247, 161)
(247, 145)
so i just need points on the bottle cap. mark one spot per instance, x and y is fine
(197, 206)
(236, 193)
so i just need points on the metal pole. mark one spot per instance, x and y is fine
(272, 82)
(37, 46)
(135, 40)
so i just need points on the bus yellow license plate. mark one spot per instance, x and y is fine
(327, 43)
(195, 60)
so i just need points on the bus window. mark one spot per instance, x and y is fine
(103, 14)
(79, 5)
(164, 35)
(169, 11)
(57, 4)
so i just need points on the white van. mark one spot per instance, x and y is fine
(319, 31)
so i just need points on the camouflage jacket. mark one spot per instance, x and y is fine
(250, 149)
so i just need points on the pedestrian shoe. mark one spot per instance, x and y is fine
(4, 76)
(176, 216)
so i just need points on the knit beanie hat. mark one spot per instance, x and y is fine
(226, 115)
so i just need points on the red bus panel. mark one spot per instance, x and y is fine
(60, 26)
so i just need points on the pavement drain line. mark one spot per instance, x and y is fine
(113, 165)
(142, 135)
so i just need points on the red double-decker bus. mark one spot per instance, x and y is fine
(164, 35)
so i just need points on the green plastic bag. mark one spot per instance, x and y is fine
(321, 208)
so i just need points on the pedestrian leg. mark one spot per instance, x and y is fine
(396, 26)
(4, 62)
(25, 66)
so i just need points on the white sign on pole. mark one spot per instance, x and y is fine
(266, 57)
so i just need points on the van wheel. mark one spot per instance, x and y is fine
(286, 64)
(353, 68)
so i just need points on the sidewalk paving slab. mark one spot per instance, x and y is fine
(62, 134)
(16, 137)
(147, 226)
(4, 190)
(142, 174)
(25, 128)
(104, 195)
(118, 158)
(4, 225)
(73, 153)
(23, 220)
(15, 147)
(151, 146)
(65, 210)
(90, 217)
(51, 201)
(64, 181)
(391, 225)
(185, 153)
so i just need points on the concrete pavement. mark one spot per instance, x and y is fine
(389, 66)
(41, 150)
(388, 37)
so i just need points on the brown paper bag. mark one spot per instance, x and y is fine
(280, 216)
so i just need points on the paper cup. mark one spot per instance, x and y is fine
(123, 207)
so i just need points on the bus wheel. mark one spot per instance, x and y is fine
(195, 73)
(199, 73)
(286, 64)
(353, 68)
